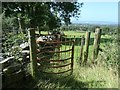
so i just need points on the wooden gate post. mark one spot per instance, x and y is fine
(86, 51)
(96, 42)
(33, 58)
(81, 49)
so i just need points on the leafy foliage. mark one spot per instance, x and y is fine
(10, 44)
(9, 23)
(33, 14)
(109, 56)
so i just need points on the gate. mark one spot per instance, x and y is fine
(55, 56)
(58, 52)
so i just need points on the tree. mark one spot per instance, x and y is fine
(33, 14)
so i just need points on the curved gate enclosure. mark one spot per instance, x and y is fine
(55, 56)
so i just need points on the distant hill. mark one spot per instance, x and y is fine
(96, 22)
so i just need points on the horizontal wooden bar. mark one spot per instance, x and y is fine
(57, 72)
(60, 66)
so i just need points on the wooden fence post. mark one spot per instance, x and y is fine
(33, 56)
(72, 57)
(86, 51)
(96, 42)
(81, 49)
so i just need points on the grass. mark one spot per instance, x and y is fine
(96, 77)
(82, 77)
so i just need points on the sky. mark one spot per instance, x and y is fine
(98, 11)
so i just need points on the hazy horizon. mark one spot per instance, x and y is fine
(99, 12)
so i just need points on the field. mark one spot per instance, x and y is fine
(89, 76)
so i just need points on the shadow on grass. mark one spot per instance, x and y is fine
(54, 81)
(49, 81)
(63, 82)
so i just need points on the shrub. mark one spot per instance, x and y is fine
(109, 56)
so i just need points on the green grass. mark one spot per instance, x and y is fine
(82, 77)
(89, 76)
(96, 77)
